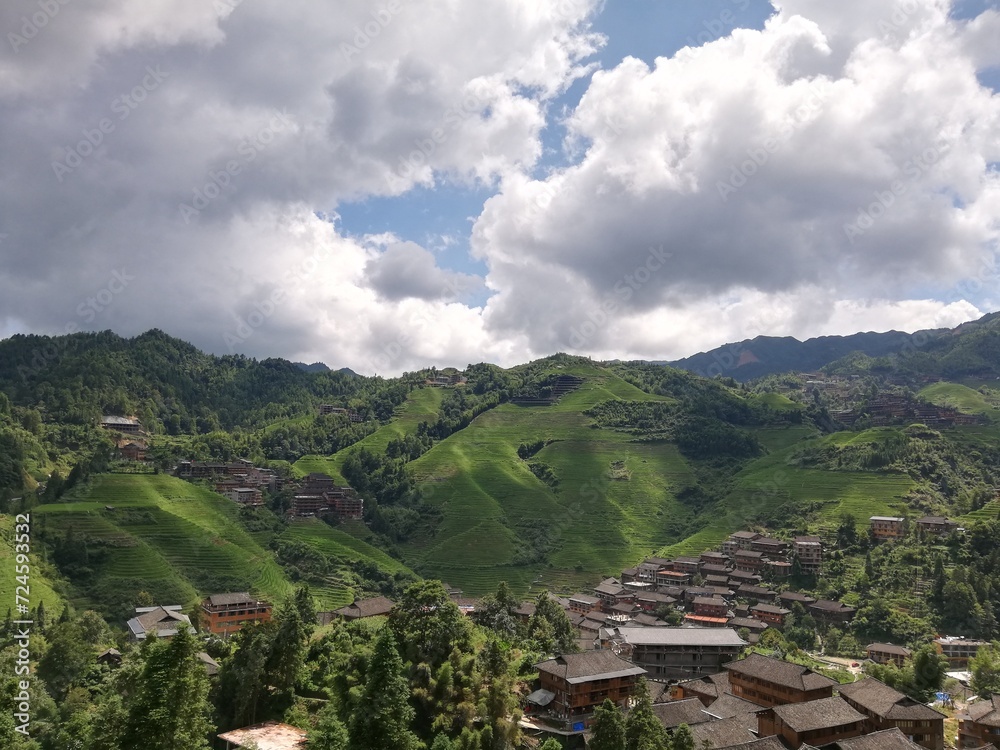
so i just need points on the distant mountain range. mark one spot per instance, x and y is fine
(951, 352)
(320, 367)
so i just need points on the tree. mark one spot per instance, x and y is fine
(608, 727)
(643, 731)
(551, 744)
(682, 738)
(306, 606)
(329, 733)
(929, 669)
(67, 658)
(985, 668)
(547, 610)
(383, 714)
(430, 624)
(170, 708)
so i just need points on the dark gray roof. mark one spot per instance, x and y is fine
(887, 702)
(589, 665)
(721, 733)
(373, 607)
(889, 648)
(688, 711)
(751, 623)
(729, 705)
(986, 712)
(227, 600)
(770, 609)
(679, 636)
(887, 739)
(820, 714)
(780, 672)
(764, 743)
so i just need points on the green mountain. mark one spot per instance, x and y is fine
(967, 351)
(548, 474)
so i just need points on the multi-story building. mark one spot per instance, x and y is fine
(714, 558)
(674, 653)
(772, 682)
(980, 724)
(770, 614)
(828, 611)
(611, 592)
(885, 653)
(710, 606)
(573, 685)
(771, 547)
(936, 525)
(815, 723)
(690, 565)
(739, 540)
(584, 603)
(808, 550)
(886, 708)
(228, 613)
(749, 561)
(888, 527)
(164, 621)
(756, 593)
(957, 650)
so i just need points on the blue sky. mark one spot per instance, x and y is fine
(645, 29)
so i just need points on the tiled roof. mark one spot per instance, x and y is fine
(729, 705)
(679, 636)
(589, 665)
(884, 701)
(795, 596)
(780, 672)
(770, 609)
(688, 711)
(378, 605)
(889, 648)
(764, 743)
(820, 714)
(732, 731)
(747, 622)
(226, 600)
(711, 686)
(986, 712)
(887, 739)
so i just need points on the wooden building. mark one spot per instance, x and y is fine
(815, 723)
(228, 613)
(579, 683)
(980, 724)
(771, 682)
(886, 653)
(674, 653)
(887, 708)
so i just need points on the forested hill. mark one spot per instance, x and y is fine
(971, 350)
(171, 386)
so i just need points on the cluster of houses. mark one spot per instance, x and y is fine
(891, 408)
(238, 480)
(316, 494)
(129, 437)
(895, 527)
(350, 414)
(753, 702)
(445, 380)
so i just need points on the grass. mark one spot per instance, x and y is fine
(175, 538)
(40, 587)
(421, 405)
(962, 398)
(492, 504)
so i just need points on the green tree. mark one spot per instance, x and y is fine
(170, 709)
(929, 669)
(682, 739)
(551, 744)
(549, 611)
(67, 658)
(329, 733)
(985, 668)
(430, 624)
(608, 727)
(643, 731)
(383, 714)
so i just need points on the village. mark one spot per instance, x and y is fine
(684, 625)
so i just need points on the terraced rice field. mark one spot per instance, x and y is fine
(39, 586)
(173, 537)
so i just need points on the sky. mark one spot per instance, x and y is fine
(392, 185)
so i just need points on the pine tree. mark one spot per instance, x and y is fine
(608, 727)
(329, 733)
(643, 731)
(682, 738)
(383, 714)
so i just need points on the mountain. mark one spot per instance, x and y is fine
(314, 367)
(948, 353)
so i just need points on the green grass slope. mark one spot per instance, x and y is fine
(960, 397)
(175, 540)
(421, 405)
(614, 500)
(40, 588)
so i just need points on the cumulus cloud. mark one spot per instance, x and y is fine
(828, 173)
(838, 151)
(406, 270)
